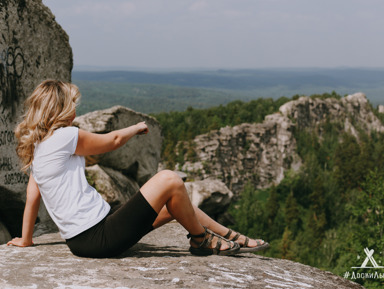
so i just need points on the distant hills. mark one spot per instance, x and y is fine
(157, 91)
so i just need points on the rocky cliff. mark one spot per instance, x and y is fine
(160, 260)
(262, 153)
(33, 47)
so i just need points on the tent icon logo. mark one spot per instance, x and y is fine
(369, 258)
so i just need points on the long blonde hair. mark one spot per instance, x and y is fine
(51, 105)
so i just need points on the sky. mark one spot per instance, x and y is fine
(223, 33)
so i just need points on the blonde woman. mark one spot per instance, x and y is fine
(53, 151)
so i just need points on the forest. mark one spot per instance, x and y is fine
(325, 214)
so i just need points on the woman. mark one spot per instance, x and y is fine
(54, 151)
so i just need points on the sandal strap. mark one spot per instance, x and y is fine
(236, 237)
(206, 243)
(218, 246)
(202, 235)
(228, 234)
(246, 242)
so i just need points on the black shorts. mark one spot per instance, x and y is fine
(117, 232)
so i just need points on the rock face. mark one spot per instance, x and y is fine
(139, 158)
(160, 260)
(256, 153)
(112, 185)
(261, 153)
(353, 111)
(212, 196)
(33, 47)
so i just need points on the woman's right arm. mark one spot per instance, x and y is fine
(32, 205)
(93, 144)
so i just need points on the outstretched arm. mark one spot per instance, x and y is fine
(94, 144)
(30, 214)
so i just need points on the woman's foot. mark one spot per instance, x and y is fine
(210, 243)
(246, 244)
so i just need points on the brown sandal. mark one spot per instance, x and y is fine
(204, 249)
(244, 247)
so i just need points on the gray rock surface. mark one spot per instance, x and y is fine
(33, 47)
(160, 260)
(111, 191)
(140, 157)
(212, 196)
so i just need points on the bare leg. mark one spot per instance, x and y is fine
(164, 217)
(166, 190)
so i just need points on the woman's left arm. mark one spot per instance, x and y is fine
(30, 214)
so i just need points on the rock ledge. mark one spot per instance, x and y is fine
(160, 260)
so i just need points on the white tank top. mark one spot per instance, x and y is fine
(71, 202)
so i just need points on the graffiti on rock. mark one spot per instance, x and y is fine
(12, 65)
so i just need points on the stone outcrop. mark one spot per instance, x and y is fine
(212, 196)
(33, 47)
(139, 158)
(256, 153)
(262, 153)
(353, 111)
(160, 260)
(114, 187)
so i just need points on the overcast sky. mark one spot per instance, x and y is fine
(223, 33)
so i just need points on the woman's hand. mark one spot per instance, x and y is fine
(20, 242)
(142, 128)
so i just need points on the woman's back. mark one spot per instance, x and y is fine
(59, 172)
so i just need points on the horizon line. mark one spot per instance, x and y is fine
(137, 68)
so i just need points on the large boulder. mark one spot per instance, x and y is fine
(140, 157)
(33, 47)
(160, 260)
(114, 187)
(212, 196)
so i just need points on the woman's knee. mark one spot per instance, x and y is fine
(170, 179)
